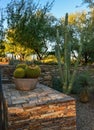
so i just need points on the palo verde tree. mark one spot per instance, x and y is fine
(83, 31)
(81, 27)
(87, 38)
(89, 2)
(15, 48)
(31, 23)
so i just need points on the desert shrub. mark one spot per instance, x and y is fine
(56, 84)
(82, 81)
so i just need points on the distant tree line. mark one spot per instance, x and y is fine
(31, 29)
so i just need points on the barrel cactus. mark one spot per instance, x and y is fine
(21, 66)
(19, 73)
(25, 71)
(32, 71)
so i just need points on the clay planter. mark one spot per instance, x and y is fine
(84, 96)
(25, 84)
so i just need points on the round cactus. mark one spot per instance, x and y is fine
(19, 73)
(33, 71)
(21, 66)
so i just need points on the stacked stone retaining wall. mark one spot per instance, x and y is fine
(40, 109)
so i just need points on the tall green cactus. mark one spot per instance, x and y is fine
(58, 56)
(66, 56)
(75, 70)
(67, 82)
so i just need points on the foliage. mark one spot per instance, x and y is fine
(56, 84)
(1, 26)
(1, 33)
(15, 48)
(31, 23)
(67, 80)
(50, 59)
(81, 31)
(82, 81)
(89, 2)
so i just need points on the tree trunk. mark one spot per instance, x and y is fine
(86, 58)
(38, 54)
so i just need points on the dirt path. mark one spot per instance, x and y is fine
(85, 114)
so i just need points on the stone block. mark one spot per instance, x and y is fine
(40, 109)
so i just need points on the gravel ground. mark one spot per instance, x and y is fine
(85, 114)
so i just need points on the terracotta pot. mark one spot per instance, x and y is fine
(25, 84)
(84, 96)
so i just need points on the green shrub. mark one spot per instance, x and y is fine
(56, 84)
(82, 81)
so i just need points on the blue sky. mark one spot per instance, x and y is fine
(60, 7)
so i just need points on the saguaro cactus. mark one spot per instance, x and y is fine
(66, 81)
(66, 56)
(58, 56)
(75, 70)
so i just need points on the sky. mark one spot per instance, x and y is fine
(60, 7)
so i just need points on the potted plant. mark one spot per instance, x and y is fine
(26, 76)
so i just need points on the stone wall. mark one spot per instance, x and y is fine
(47, 72)
(40, 109)
(7, 73)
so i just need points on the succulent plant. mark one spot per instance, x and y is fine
(21, 66)
(32, 71)
(19, 73)
(25, 71)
